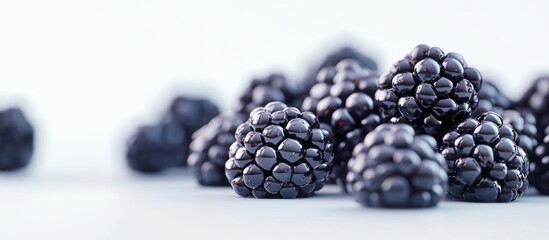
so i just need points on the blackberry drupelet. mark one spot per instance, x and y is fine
(429, 90)
(484, 162)
(332, 60)
(190, 114)
(279, 152)
(535, 99)
(490, 98)
(210, 149)
(343, 101)
(261, 91)
(394, 168)
(16, 140)
(539, 165)
(156, 148)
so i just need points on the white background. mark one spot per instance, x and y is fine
(88, 72)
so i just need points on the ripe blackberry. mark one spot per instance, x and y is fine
(539, 166)
(484, 162)
(16, 140)
(190, 114)
(429, 90)
(394, 168)
(343, 101)
(332, 60)
(279, 152)
(524, 123)
(535, 99)
(490, 98)
(157, 147)
(210, 149)
(261, 91)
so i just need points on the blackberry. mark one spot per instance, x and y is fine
(210, 149)
(16, 140)
(343, 101)
(490, 98)
(484, 162)
(157, 147)
(261, 91)
(394, 168)
(190, 114)
(539, 166)
(535, 99)
(429, 90)
(279, 152)
(333, 59)
(524, 123)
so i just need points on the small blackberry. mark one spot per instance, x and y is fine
(535, 99)
(490, 98)
(16, 140)
(210, 149)
(343, 101)
(279, 152)
(394, 168)
(429, 90)
(539, 166)
(261, 91)
(190, 114)
(484, 162)
(524, 123)
(157, 147)
(332, 60)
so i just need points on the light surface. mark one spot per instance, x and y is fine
(88, 72)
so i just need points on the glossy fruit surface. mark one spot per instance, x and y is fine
(260, 91)
(394, 168)
(279, 152)
(429, 90)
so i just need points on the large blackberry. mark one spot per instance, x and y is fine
(333, 59)
(343, 102)
(210, 147)
(190, 114)
(539, 166)
(279, 152)
(394, 168)
(261, 91)
(535, 99)
(157, 147)
(490, 98)
(429, 90)
(16, 140)
(484, 162)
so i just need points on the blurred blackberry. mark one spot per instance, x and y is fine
(190, 114)
(535, 99)
(429, 90)
(343, 101)
(332, 60)
(156, 148)
(279, 152)
(210, 149)
(485, 164)
(490, 98)
(539, 165)
(261, 91)
(394, 168)
(524, 123)
(16, 140)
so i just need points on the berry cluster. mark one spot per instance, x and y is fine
(16, 140)
(343, 102)
(395, 168)
(279, 152)
(430, 90)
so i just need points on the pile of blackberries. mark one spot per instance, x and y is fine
(430, 127)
